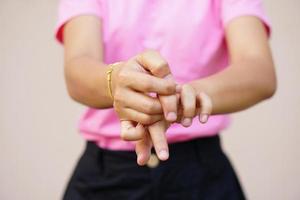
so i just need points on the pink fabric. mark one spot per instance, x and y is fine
(189, 34)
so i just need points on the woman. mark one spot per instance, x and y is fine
(154, 66)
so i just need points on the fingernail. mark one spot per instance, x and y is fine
(172, 116)
(187, 122)
(140, 159)
(203, 118)
(163, 154)
(178, 88)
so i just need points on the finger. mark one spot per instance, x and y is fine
(159, 140)
(145, 82)
(169, 104)
(205, 104)
(188, 102)
(143, 149)
(139, 102)
(130, 132)
(152, 61)
(139, 117)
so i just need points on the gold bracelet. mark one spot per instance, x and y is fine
(109, 73)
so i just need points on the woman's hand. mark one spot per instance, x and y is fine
(132, 82)
(154, 135)
(192, 104)
(130, 87)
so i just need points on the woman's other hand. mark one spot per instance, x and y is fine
(193, 104)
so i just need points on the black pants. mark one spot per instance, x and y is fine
(196, 169)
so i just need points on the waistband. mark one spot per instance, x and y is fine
(202, 147)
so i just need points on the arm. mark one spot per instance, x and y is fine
(85, 73)
(250, 78)
(86, 77)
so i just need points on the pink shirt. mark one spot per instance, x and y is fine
(189, 34)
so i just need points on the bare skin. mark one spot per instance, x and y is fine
(249, 79)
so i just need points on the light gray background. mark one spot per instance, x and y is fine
(39, 144)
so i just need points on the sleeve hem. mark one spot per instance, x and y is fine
(60, 25)
(262, 18)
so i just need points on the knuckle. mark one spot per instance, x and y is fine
(170, 87)
(161, 69)
(162, 64)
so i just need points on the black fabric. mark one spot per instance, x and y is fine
(197, 169)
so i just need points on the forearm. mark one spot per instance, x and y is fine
(238, 88)
(86, 81)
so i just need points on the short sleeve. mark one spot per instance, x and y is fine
(68, 9)
(231, 9)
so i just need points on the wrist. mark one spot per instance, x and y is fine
(114, 70)
(201, 86)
